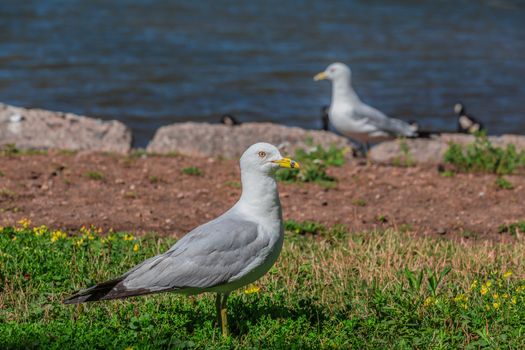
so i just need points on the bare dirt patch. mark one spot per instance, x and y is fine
(154, 194)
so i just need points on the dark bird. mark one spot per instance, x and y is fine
(230, 120)
(467, 124)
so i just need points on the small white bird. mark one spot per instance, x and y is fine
(220, 256)
(355, 119)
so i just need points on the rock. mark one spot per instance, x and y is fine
(212, 140)
(432, 150)
(41, 129)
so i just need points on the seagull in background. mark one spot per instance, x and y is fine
(354, 118)
(225, 254)
(467, 124)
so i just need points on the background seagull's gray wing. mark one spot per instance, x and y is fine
(382, 122)
(215, 253)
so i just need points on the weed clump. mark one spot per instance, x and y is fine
(10, 150)
(94, 175)
(404, 159)
(192, 170)
(483, 156)
(504, 184)
(312, 228)
(314, 163)
(513, 229)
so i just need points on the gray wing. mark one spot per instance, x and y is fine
(382, 122)
(208, 256)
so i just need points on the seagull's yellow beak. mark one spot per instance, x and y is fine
(287, 163)
(320, 76)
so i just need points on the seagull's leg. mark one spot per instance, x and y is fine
(367, 149)
(224, 315)
(218, 307)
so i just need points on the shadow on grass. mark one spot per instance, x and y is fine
(179, 324)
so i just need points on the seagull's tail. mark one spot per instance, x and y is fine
(97, 292)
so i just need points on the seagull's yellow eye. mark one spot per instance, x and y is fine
(262, 154)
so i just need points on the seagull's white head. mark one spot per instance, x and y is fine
(335, 71)
(264, 158)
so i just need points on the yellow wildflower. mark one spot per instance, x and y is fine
(14, 238)
(495, 296)
(128, 237)
(514, 300)
(505, 296)
(484, 290)
(474, 284)
(79, 242)
(136, 247)
(252, 289)
(428, 301)
(488, 284)
(39, 231)
(507, 274)
(58, 234)
(460, 298)
(25, 222)
(496, 305)
(90, 236)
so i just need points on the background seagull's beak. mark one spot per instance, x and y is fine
(320, 76)
(287, 163)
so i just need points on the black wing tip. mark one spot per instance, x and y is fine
(94, 293)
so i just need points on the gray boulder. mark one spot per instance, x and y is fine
(41, 129)
(432, 150)
(211, 140)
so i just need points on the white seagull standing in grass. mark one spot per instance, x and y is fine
(220, 256)
(354, 118)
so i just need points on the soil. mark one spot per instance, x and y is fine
(152, 193)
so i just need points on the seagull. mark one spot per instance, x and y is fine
(354, 118)
(467, 124)
(220, 256)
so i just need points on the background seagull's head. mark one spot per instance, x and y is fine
(335, 71)
(264, 158)
(459, 108)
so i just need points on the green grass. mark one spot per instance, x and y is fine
(10, 150)
(192, 170)
(404, 159)
(314, 163)
(359, 202)
(94, 175)
(483, 156)
(382, 289)
(7, 193)
(514, 228)
(504, 184)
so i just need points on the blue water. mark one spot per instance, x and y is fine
(151, 63)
